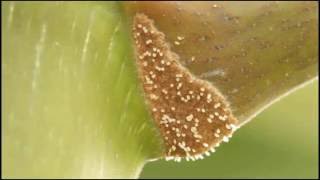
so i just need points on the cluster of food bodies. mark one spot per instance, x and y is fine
(192, 116)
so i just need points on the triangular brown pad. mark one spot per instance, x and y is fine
(191, 114)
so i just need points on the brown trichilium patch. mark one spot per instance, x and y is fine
(191, 114)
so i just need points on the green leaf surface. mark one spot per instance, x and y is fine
(72, 106)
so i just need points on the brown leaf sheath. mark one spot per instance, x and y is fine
(192, 115)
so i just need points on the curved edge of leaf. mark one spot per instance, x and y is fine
(280, 97)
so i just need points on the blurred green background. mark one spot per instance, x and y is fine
(281, 142)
